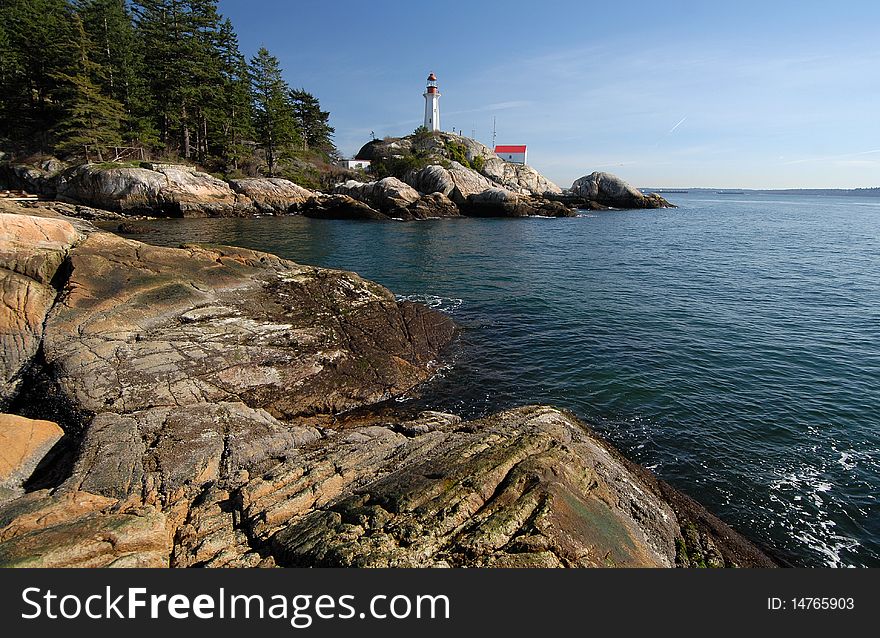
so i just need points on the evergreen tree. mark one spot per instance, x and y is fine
(119, 52)
(14, 102)
(183, 69)
(313, 123)
(273, 116)
(156, 73)
(236, 112)
(33, 33)
(156, 22)
(90, 117)
(206, 97)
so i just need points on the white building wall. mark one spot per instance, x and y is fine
(354, 164)
(514, 158)
(432, 111)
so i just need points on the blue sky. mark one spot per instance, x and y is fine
(733, 94)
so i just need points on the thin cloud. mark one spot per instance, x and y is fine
(828, 158)
(680, 122)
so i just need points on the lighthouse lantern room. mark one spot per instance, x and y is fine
(432, 105)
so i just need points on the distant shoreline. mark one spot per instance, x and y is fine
(828, 192)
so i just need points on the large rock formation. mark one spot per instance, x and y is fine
(79, 529)
(423, 176)
(32, 251)
(170, 190)
(478, 196)
(525, 488)
(139, 327)
(179, 363)
(272, 195)
(519, 178)
(209, 400)
(495, 202)
(435, 179)
(397, 200)
(610, 190)
(157, 189)
(339, 207)
(443, 149)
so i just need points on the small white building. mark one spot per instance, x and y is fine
(354, 164)
(515, 154)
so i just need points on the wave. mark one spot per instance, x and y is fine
(444, 304)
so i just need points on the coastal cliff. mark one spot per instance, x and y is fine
(215, 406)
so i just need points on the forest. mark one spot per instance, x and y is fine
(163, 79)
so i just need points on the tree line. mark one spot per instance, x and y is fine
(167, 76)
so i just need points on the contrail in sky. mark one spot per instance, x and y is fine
(681, 121)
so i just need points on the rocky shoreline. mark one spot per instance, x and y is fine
(437, 186)
(215, 406)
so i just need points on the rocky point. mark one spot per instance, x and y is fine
(216, 406)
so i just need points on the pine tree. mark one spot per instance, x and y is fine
(155, 73)
(33, 31)
(183, 69)
(206, 74)
(90, 117)
(14, 103)
(154, 23)
(273, 116)
(119, 52)
(313, 123)
(236, 113)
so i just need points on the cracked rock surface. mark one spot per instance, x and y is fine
(213, 402)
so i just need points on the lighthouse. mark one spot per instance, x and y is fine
(432, 105)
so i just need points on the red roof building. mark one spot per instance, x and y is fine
(515, 153)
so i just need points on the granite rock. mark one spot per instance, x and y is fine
(23, 444)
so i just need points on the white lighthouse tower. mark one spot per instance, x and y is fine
(432, 105)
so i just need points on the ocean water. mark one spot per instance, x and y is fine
(732, 345)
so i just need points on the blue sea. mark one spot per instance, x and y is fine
(731, 345)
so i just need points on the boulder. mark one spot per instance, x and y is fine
(495, 202)
(477, 196)
(518, 178)
(389, 196)
(52, 165)
(466, 182)
(27, 178)
(140, 326)
(23, 444)
(433, 206)
(272, 196)
(159, 189)
(338, 207)
(34, 247)
(610, 190)
(431, 179)
(397, 200)
(78, 529)
(531, 487)
(32, 250)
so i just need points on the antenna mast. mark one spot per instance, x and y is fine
(493, 132)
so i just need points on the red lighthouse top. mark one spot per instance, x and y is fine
(432, 84)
